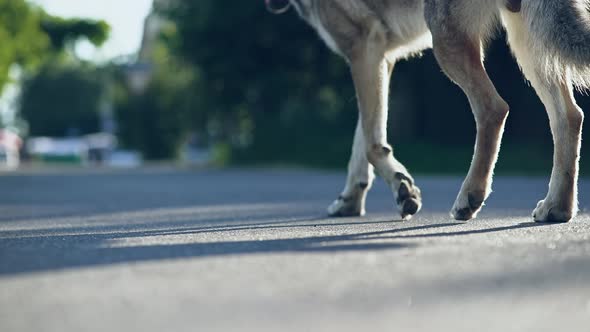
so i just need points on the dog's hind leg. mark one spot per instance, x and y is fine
(359, 180)
(371, 72)
(565, 119)
(458, 49)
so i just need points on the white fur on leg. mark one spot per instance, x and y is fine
(359, 180)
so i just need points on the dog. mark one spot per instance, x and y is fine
(549, 38)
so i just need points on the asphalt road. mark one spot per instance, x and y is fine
(251, 250)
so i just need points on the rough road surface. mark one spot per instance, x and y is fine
(252, 250)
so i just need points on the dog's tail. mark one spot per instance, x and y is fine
(560, 31)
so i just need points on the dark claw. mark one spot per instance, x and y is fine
(346, 213)
(552, 218)
(514, 5)
(410, 207)
(464, 214)
(402, 177)
(475, 200)
(409, 198)
(348, 210)
(403, 193)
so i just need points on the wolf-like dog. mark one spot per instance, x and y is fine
(550, 40)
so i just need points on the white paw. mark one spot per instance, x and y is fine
(468, 205)
(346, 207)
(550, 212)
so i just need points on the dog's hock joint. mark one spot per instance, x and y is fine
(383, 150)
(378, 152)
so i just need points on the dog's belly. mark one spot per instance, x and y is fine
(409, 47)
(346, 24)
(407, 29)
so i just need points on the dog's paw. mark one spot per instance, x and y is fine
(408, 197)
(467, 206)
(346, 207)
(549, 212)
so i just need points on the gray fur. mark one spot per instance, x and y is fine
(560, 32)
(550, 40)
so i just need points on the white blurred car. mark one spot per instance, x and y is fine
(73, 150)
(95, 149)
(10, 144)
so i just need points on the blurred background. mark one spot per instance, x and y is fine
(122, 83)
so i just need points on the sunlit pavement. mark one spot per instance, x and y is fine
(181, 250)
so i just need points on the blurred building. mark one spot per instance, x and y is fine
(151, 31)
(139, 74)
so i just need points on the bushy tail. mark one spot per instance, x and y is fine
(560, 32)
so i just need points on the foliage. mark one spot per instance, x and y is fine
(261, 78)
(62, 100)
(62, 32)
(60, 96)
(22, 41)
(263, 85)
(270, 79)
(154, 121)
(29, 36)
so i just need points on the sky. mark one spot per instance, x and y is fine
(124, 16)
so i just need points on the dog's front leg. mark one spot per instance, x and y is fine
(371, 71)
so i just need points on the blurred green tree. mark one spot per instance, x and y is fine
(270, 89)
(60, 94)
(62, 100)
(154, 120)
(28, 35)
(23, 42)
(268, 86)
(62, 32)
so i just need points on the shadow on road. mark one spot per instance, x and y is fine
(69, 220)
(26, 252)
